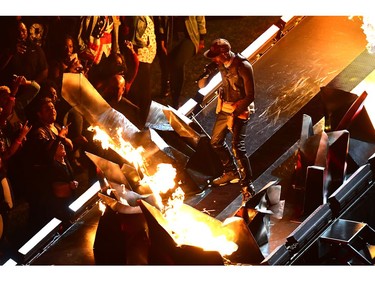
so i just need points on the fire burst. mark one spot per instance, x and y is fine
(185, 228)
(120, 146)
(160, 183)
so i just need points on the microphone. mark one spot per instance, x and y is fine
(208, 69)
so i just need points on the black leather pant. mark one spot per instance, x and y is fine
(219, 134)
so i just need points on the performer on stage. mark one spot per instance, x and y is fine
(234, 106)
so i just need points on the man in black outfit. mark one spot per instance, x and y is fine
(234, 107)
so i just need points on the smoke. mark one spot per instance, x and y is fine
(368, 27)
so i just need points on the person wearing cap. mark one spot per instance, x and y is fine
(234, 106)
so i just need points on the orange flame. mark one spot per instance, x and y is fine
(187, 228)
(161, 182)
(122, 147)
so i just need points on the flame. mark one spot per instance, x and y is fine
(161, 182)
(122, 147)
(184, 226)
(102, 207)
(187, 229)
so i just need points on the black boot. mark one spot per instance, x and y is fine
(246, 176)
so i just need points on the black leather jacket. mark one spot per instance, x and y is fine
(238, 83)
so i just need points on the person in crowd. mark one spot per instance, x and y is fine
(131, 62)
(17, 111)
(140, 31)
(36, 159)
(62, 181)
(66, 115)
(59, 28)
(180, 38)
(7, 103)
(97, 38)
(46, 127)
(114, 64)
(234, 107)
(23, 57)
(162, 38)
(116, 80)
(125, 63)
(114, 93)
(11, 139)
(12, 134)
(48, 89)
(66, 60)
(37, 27)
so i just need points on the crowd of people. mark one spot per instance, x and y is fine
(43, 137)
